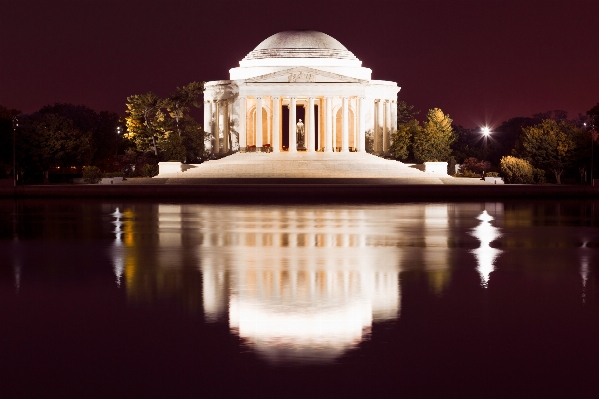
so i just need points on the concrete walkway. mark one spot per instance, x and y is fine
(315, 168)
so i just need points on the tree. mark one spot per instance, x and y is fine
(179, 102)
(405, 113)
(46, 141)
(401, 139)
(516, 170)
(433, 141)
(549, 145)
(145, 121)
(475, 166)
(102, 126)
(151, 121)
(6, 137)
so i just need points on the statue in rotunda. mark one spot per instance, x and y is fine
(301, 142)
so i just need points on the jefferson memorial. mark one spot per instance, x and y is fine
(300, 90)
(301, 105)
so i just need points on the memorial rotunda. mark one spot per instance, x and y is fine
(300, 90)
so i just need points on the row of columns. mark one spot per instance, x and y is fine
(213, 125)
(382, 124)
(310, 124)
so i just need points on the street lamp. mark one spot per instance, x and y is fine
(118, 133)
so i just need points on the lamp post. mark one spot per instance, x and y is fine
(116, 147)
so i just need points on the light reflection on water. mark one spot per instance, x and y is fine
(301, 283)
(485, 254)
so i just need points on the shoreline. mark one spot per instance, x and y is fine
(304, 191)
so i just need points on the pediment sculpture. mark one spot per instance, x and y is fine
(301, 76)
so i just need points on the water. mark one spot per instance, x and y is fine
(133, 299)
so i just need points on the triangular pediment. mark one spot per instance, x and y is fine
(303, 75)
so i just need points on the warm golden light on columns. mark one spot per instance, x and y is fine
(345, 126)
(387, 126)
(242, 121)
(311, 128)
(216, 126)
(361, 126)
(375, 129)
(328, 135)
(292, 126)
(258, 122)
(225, 126)
(379, 126)
(275, 124)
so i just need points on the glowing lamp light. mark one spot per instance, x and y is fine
(486, 130)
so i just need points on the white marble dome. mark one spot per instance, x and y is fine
(300, 44)
(297, 48)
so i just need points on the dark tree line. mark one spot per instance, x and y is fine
(58, 139)
(62, 139)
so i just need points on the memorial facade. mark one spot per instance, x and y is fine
(300, 91)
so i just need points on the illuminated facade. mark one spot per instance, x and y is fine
(293, 74)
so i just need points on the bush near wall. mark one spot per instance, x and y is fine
(516, 170)
(149, 170)
(92, 174)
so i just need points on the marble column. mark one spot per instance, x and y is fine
(387, 138)
(225, 126)
(380, 117)
(328, 125)
(312, 126)
(258, 123)
(208, 117)
(361, 126)
(216, 131)
(394, 115)
(242, 121)
(375, 130)
(275, 124)
(345, 126)
(292, 126)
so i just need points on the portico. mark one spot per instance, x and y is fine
(297, 75)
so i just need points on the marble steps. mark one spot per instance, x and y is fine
(302, 165)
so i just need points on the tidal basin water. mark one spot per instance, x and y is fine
(141, 299)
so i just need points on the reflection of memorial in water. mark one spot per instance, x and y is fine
(294, 282)
(307, 283)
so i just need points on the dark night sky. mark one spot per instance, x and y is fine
(479, 60)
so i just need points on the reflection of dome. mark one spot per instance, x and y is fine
(300, 44)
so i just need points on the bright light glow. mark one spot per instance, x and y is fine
(485, 254)
(486, 130)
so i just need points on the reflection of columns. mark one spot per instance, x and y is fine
(361, 135)
(345, 127)
(225, 126)
(328, 126)
(258, 123)
(311, 127)
(379, 125)
(275, 124)
(216, 126)
(387, 131)
(242, 117)
(292, 126)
